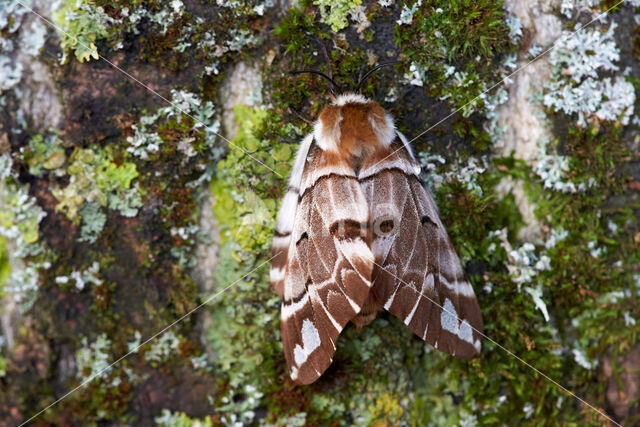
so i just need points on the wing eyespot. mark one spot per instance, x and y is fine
(386, 225)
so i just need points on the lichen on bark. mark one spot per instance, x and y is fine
(103, 188)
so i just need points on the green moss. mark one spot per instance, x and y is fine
(455, 46)
(456, 31)
(300, 33)
(293, 27)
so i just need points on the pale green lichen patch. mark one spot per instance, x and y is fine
(180, 419)
(44, 153)
(93, 359)
(97, 181)
(247, 179)
(335, 13)
(83, 25)
(20, 218)
(162, 349)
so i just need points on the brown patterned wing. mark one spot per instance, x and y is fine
(417, 271)
(329, 265)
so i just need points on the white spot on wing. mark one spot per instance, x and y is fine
(407, 320)
(390, 300)
(449, 317)
(465, 333)
(463, 287)
(299, 354)
(310, 342)
(276, 274)
(310, 336)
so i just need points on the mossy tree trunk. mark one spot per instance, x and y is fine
(123, 209)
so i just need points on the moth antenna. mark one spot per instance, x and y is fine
(326, 56)
(366, 76)
(332, 84)
(364, 66)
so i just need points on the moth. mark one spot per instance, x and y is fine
(357, 233)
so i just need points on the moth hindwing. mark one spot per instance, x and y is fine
(357, 233)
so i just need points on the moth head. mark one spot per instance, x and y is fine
(352, 124)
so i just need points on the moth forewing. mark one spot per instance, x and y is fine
(357, 233)
(286, 215)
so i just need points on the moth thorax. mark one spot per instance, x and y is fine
(355, 130)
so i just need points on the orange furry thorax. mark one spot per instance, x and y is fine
(354, 129)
